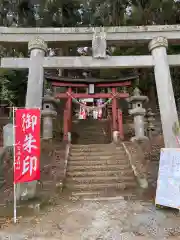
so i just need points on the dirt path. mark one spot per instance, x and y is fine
(93, 220)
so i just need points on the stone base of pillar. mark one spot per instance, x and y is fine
(115, 136)
(140, 138)
(69, 137)
(26, 191)
(37, 48)
(47, 138)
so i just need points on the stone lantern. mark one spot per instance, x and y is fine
(138, 112)
(48, 113)
(150, 120)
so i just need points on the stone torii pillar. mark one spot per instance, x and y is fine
(165, 91)
(37, 48)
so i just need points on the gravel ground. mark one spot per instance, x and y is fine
(97, 220)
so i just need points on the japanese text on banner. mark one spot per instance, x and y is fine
(27, 145)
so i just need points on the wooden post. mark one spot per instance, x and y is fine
(69, 109)
(65, 124)
(120, 124)
(114, 110)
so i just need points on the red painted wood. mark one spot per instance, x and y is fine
(65, 125)
(119, 84)
(96, 95)
(69, 108)
(120, 124)
(109, 117)
(63, 84)
(114, 111)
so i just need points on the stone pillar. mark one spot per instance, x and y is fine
(167, 105)
(138, 113)
(37, 48)
(150, 122)
(48, 113)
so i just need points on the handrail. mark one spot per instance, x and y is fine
(143, 183)
(67, 129)
(68, 145)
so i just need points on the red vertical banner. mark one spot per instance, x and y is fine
(27, 145)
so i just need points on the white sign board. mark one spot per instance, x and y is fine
(168, 184)
(88, 100)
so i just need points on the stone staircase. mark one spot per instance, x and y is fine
(90, 131)
(99, 170)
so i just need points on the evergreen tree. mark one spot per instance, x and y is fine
(72, 13)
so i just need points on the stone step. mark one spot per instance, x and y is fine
(92, 146)
(93, 132)
(105, 172)
(91, 141)
(101, 186)
(95, 153)
(91, 123)
(86, 150)
(92, 137)
(111, 192)
(95, 129)
(98, 157)
(98, 162)
(87, 142)
(91, 120)
(90, 134)
(89, 129)
(92, 126)
(100, 167)
(92, 129)
(91, 152)
(98, 128)
(95, 147)
(100, 179)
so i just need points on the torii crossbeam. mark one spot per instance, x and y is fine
(145, 61)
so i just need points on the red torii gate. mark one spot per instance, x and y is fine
(117, 123)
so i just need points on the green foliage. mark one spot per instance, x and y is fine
(13, 87)
(12, 83)
(68, 13)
